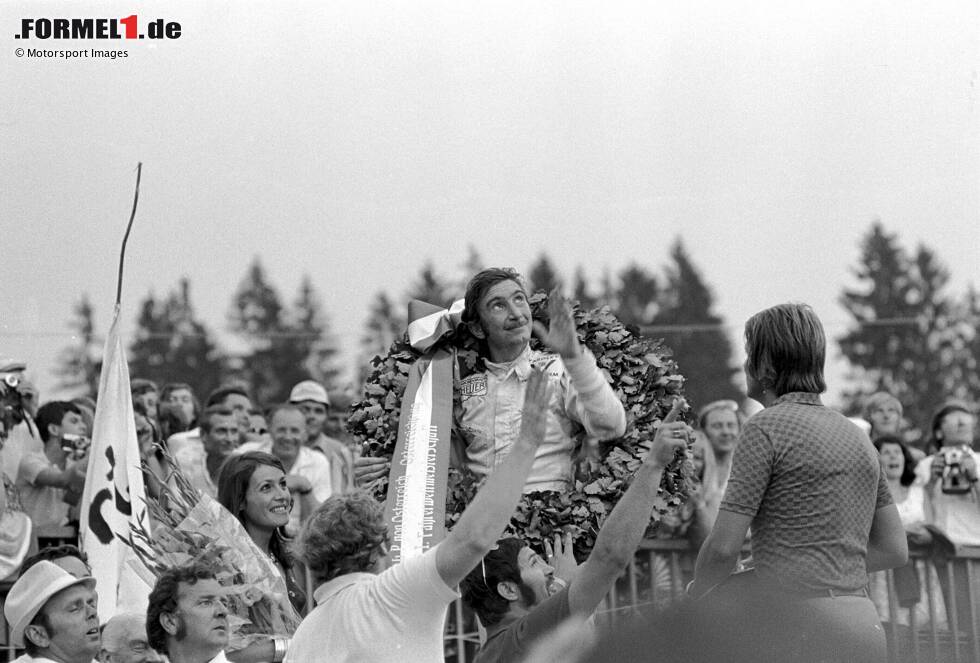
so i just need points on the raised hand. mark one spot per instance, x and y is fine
(367, 470)
(671, 435)
(560, 336)
(560, 555)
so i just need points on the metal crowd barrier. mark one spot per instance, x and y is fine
(657, 575)
(919, 634)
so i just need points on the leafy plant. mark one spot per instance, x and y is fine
(641, 373)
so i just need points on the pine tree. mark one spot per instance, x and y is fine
(906, 338)
(81, 363)
(309, 340)
(542, 275)
(469, 268)
(636, 299)
(172, 345)
(257, 317)
(700, 343)
(382, 327)
(581, 291)
(430, 287)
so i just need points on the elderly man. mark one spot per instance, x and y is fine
(54, 616)
(186, 616)
(124, 640)
(312, 400)
(398, 614)
(521, 597)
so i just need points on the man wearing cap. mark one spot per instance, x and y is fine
(313, 402)
(54, 615)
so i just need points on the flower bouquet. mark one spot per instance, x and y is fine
(192, 527)
(641, 373)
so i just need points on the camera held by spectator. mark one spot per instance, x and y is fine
(954, 477)
(11, 401)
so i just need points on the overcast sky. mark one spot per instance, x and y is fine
(353, 141)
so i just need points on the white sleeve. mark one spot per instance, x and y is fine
(590, 400)
(415, 584)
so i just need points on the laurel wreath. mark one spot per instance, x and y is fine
(642, 374)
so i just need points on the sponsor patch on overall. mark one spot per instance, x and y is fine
(473, 385)
(548, 363)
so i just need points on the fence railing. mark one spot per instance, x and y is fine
(919, 632)
(942, 626)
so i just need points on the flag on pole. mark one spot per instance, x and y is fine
(114, 493)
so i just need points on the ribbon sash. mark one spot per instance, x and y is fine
(416, 507)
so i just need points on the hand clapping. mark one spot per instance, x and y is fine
(560, 336)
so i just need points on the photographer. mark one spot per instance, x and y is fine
(18, 433)
(51, 481)
(953, 496)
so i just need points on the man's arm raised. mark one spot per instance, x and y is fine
(485, 518)
(623, 529)
(590, 400)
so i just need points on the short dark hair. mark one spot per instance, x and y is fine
(163, 598)
(951, 405)
(213, 411)
(233, 478)
(182, 386)
(483, 281)
(53, 412)
(786, 348)
(218, 396)
(140, 386)
(50, 553)
(344, 535)
(479, 587)
(908, 472)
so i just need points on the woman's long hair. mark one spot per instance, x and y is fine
(908, 472)
(233, 478)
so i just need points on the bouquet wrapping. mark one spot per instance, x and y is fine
(193, 527)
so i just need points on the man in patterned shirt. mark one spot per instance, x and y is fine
(809, 483)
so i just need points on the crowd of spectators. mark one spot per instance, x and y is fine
(283, 472)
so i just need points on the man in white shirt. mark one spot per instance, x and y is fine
(186, 617)
(398, 614)
(313, 401)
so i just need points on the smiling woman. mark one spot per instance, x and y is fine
(252, 486)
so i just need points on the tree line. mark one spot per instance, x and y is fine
(907, 334)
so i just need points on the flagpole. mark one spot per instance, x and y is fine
(114, 495)
(122, 252)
